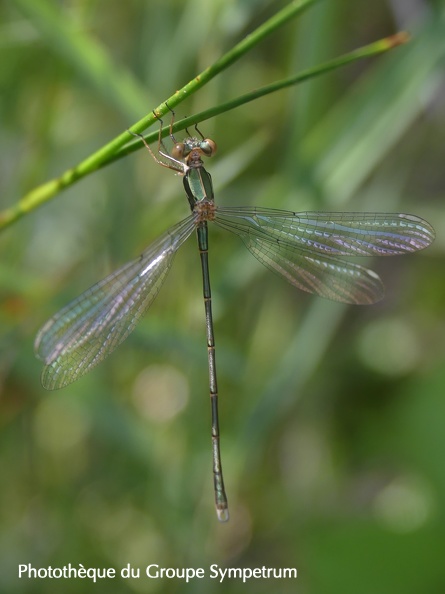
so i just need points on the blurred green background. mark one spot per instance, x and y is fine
(332, 417)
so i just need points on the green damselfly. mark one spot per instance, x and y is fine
(305, 248)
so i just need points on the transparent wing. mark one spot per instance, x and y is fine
(305, 247)
(89, 328)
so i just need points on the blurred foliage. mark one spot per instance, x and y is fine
(332, 416)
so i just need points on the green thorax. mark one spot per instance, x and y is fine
(198, 185)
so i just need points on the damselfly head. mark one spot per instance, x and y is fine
(193, 148)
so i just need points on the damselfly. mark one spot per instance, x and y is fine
(305, 248)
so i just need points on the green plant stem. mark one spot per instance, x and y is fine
(367, 51)
(114, 150)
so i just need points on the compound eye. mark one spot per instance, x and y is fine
(208, 147)
(177, 152)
